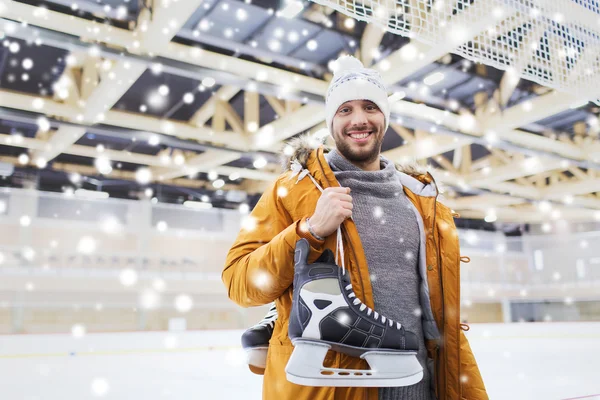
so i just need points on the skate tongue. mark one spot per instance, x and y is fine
(327, 257)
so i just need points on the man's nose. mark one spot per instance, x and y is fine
(359, 118)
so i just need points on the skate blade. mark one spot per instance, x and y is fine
(256, 357)
(388, 369)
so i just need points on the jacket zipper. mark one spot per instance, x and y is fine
(440, 277)
(443, 306)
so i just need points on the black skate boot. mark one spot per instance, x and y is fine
(326, 314)
(256, 341)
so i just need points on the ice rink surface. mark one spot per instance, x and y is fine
(518, 361)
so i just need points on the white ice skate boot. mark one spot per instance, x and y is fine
(256, 341)
(326, 314)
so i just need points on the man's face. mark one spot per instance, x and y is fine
(358, 129)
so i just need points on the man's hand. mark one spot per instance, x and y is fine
(333, 207)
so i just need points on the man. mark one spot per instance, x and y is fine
(401, 247)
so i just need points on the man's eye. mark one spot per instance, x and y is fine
(344, 110)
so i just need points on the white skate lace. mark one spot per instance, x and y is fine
(339, 251)
(269, 319)
(363, 307)
(339, 248)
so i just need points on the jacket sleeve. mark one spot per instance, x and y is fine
(260, 264)
(473, 387)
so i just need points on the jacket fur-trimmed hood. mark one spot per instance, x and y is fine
(299, 149)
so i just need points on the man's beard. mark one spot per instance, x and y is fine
(364, 156)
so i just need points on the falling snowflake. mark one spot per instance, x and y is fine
(25, 220)
(183, 303)
(14, 47)
(377, 212)
(149, 299)
(261, 279)
(171, 342)
(78, 331)
(128, 277)
(143, 176)
(100, 387)
(111, 225)
(282, 192)
(86, 245)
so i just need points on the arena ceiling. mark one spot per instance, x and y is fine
(194, 99)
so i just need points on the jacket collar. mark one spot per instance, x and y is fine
(309, 152)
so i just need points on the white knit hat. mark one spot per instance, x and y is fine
(352, 81)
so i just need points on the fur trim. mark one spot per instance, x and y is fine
(411, 168)
(301, 147)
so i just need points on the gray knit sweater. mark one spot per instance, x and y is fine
(389, 234)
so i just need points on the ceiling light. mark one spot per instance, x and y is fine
(293, 36)
(241, 14)
(274, 45)
(204, 25)
(397, 96)
(279, 33)
(163, 90)
(219, 183)
(143, 176)
(23, 159)
(349, 23)
(434, 78)
(291, 9)
(27, 63)
(103, 166)
(154, 140)
(259, 163)
(208, 82)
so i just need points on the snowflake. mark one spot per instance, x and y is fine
(377, 212)
(183, 303)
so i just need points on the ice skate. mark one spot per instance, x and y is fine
(255, 341)
(326, 314)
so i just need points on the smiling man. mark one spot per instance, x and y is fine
(401, 249)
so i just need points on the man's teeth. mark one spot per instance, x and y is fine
(359, 135)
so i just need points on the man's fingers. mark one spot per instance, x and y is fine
(347, 206)
(338, 190)
(344, 197)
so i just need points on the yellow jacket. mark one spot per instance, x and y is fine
(259, 270)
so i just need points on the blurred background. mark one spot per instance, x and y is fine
(136, 136)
